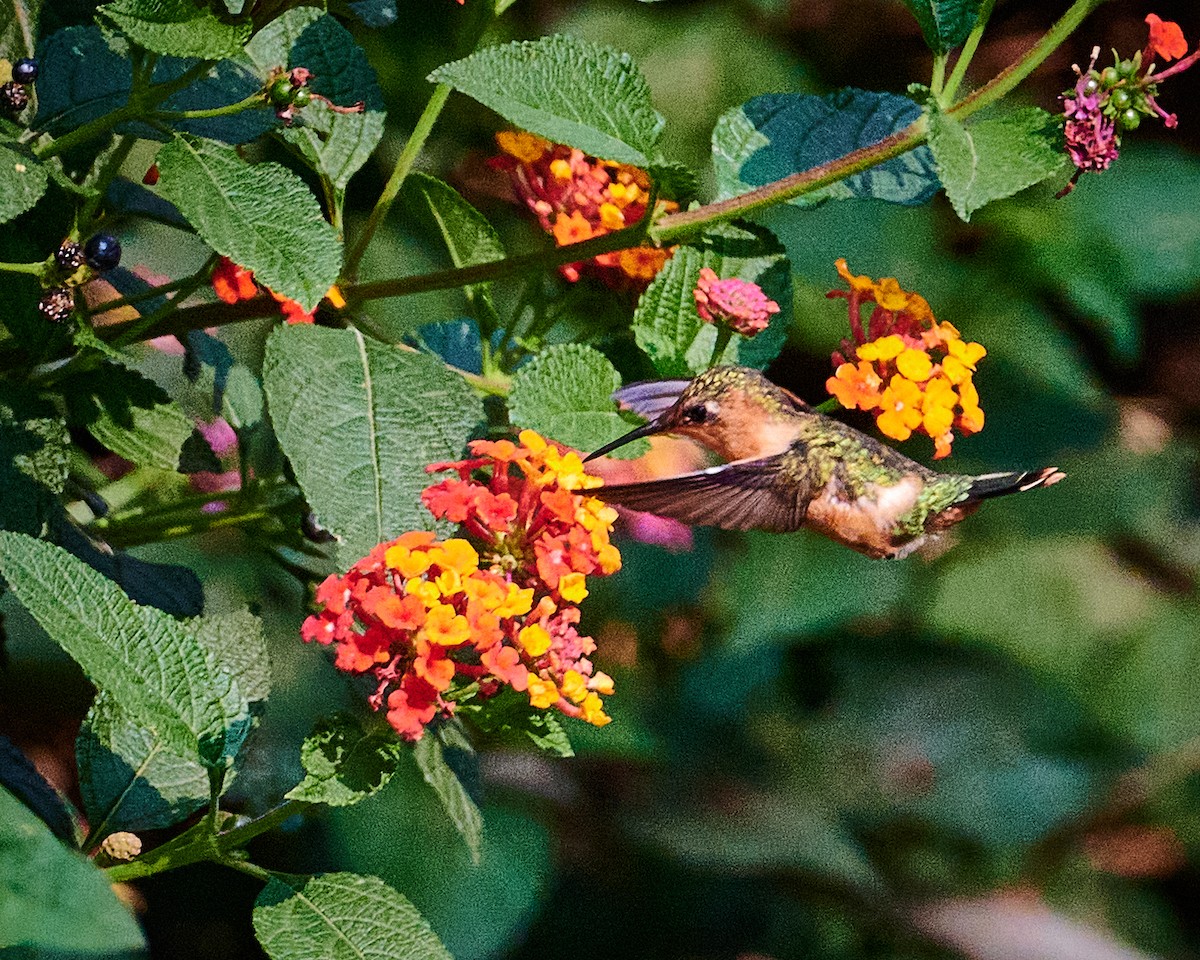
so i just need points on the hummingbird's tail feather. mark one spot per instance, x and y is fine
(1000, 484)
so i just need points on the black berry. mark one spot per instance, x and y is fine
(69, 257)
(56, 304)
(25, 70)
(102, 252)
(13, 98)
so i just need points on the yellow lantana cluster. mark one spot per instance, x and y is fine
(916, 372)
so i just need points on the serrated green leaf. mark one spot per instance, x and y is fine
(344, 764)
(775, 135)
(337, 144)
(944, 23)
(18, 28)
(675, 180)
(129, 778)
(359, 422)
(177, 28)
(432, 754)
(150, 663)
(33, 460)
(22, 180)
(509, 717)
(51, 898)
(261, 216)
(567, 90)
(994, 158)
(565, 393)
(670, 331)
(341, 915)
(468, 236)
(129, 414)
(132, 780)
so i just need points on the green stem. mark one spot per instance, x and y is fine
(104, 176)
(141, 295)
(724, 335)
(134, 331)
(968, 52)
(391, 190)
(33, 268)
(199, 843)
(140, 103)
(1007, 79)
(938, 79)
(251, 102)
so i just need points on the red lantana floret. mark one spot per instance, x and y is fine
(439, 622)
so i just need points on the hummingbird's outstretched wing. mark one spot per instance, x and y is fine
(742, 495)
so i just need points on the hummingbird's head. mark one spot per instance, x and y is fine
(734, 411)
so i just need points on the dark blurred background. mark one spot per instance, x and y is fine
(989, 753)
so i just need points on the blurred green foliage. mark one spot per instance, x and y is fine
(809, 745)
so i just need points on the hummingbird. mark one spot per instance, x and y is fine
(788, 466)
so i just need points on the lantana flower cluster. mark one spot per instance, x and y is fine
(1105, 103)
(914, 371)
(739, 304)
(437, 622)
(232, 283)
(576, 197)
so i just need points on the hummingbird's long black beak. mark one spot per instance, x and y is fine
(645, 430)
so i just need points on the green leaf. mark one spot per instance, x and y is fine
(129, 414)
(261, 216)
(22, 180)
(129, 778)
(336, 144)
(33, 460)
(433, 754)
(151, 664)
(359, 422)
(567, 90)
(341, 915)
(511, 720)
(177, 28)
(343, 763)
(51, 898)
(565, 393)
(675, 180)
(995, 158)
(944, 23)
(18, 28)
(468, 236)
(775, 135)
(670, 331)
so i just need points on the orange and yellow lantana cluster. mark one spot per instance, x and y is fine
(576, 197)
(915, 372)
(438, 622)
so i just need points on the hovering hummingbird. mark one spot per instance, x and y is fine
(790, 467)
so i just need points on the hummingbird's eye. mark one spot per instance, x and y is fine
(697, 413)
